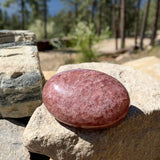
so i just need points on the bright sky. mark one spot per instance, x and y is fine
(54, 7)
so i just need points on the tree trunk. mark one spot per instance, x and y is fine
(109, 12)
(99, 18)
(115, 27)
(35, 13)
(23, 15)
(45, 18)
(144, 24)
(122, 23)
(155, 26)
(137, 21)
(76, 11)
(93, 10)
(119, 18)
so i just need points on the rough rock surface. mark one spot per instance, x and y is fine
(86, 99)
(48, 74)
(126, 141)
(11, 146)
(13, 37)
(144, 91)
(149, 65)
(21, 79)
(137, 137)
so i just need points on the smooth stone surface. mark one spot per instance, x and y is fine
(149, 65)
(134, 139)
(11, 146)
(21, 79)
(144, 91)
(86, 98)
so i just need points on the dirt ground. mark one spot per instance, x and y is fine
(109, 45)
(52, 60)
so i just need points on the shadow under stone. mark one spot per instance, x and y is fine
(90, 135)
(18, 121)
(134, 111)
(35, 156)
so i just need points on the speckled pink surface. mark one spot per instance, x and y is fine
(86, 99)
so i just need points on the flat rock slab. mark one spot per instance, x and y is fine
(149, 65)
(127, 140)
(21, 79)
(11, 146)
(16, 37)
(144, 91)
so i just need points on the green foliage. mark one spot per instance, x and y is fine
(83, 34)
(84, 38)
(37, 28)
(70, 3)
(35, 10)
(1, 19)
(130, 17)
(77, 19)
(106, 33)
(14, 22)
(151, 15)
(7, 3)
(7, 22)
(86, 55)
(23, 10)
(64, 23)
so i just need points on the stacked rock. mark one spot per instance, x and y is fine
(21, 79)
(21, 83)
(11, 146)
(77, 98)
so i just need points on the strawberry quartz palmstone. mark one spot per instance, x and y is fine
(86, 99)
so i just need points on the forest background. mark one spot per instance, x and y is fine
(85, 22)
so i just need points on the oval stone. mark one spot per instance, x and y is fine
(86, 98)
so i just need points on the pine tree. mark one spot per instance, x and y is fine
(137, 21)
(22, 3)
(122, 23)
(94, 5)
(45, 10)
(115, 25)
(35, 10)
(73, 4)
(144, 23)
(155, 26)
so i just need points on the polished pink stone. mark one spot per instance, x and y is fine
(86, 98)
